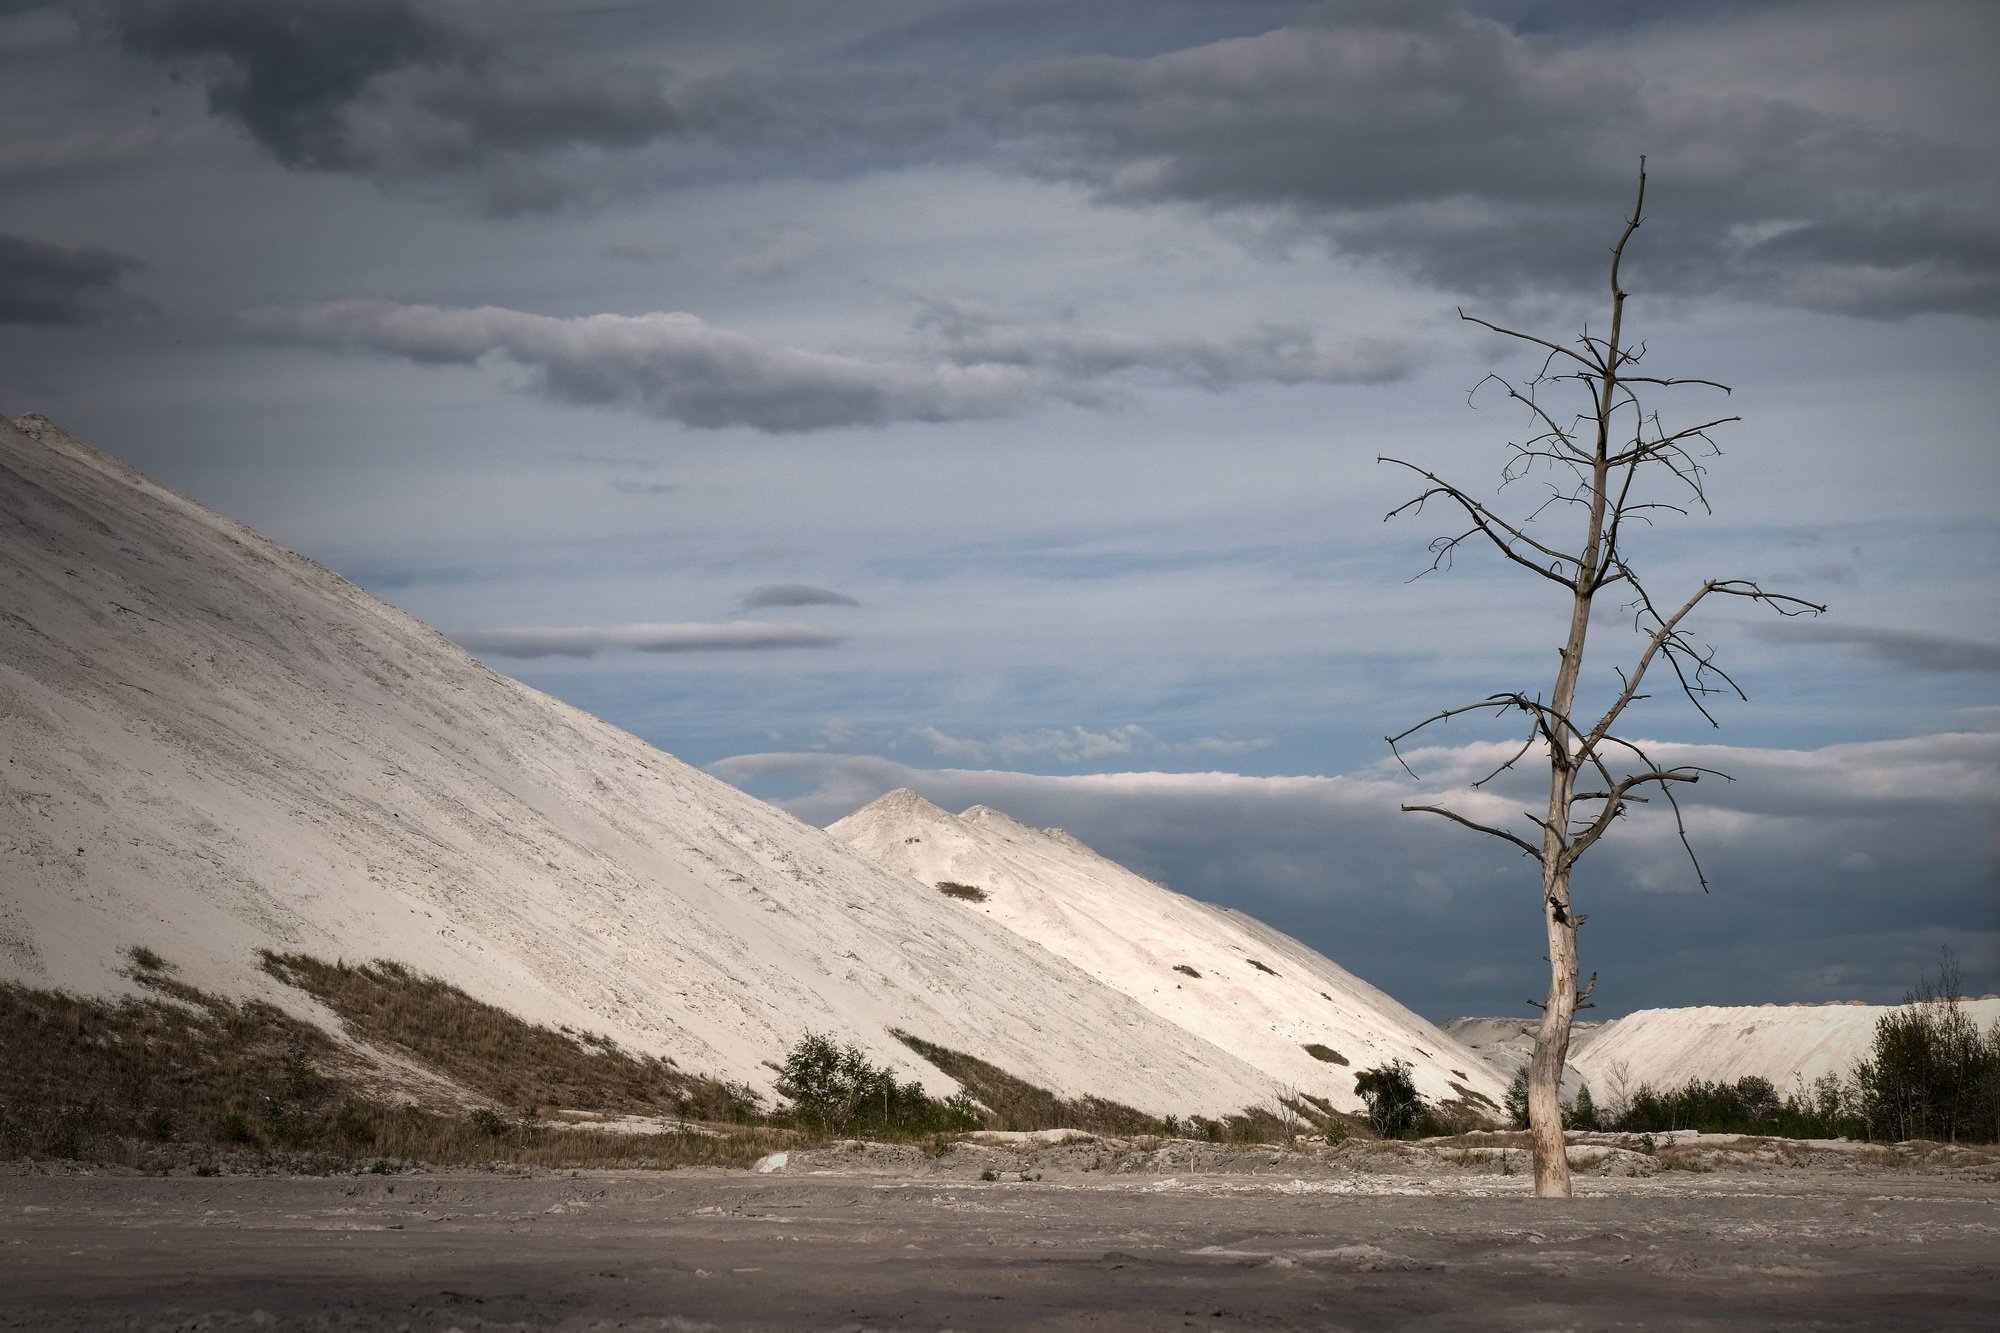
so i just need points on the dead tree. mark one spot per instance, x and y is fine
(1602, 471)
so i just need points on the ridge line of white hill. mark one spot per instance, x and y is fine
(1260, 994)
(213, 746)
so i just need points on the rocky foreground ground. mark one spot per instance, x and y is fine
(1032, 1232)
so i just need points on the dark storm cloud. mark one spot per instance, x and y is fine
(384, 88)
(1486, 162)
(589, 640)
(793, 594)
(1893, 647)
(1481, 158)
(679, 367)
(42, 283)
(286, 71)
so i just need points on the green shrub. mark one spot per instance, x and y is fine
(1261, 968)
(1932, 1074)
(1516, 1105)
(951, 888)
(1394, 1107)
(835, 1089)
(1187, 971)
(1324, 1053)
(488, 1121)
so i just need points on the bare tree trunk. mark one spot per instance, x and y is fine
(1593, 460)
(1545, 1070)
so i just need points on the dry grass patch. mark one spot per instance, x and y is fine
(185, 1080)
(485, 1048)
(1016, 1103)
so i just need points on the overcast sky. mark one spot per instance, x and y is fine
(985, 398)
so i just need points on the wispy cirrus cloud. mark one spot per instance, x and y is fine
(677, 366)
(530, 641)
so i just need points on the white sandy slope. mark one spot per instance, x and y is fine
(1130, 933)
(1783, 1043)
(210, 745)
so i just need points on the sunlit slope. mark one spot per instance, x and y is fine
(1220, 975)
(210, 745)
(1783, 1043)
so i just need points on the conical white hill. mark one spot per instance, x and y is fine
(1259, 994)
(210, 745)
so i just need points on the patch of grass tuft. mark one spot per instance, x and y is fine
(969, 893)
(1187, 971)
(1271, 971)
(1324, 1053)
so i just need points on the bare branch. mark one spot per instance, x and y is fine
(1484, 521)
(1457, 818)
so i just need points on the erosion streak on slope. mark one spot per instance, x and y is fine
(1259, 993)
(213, 745)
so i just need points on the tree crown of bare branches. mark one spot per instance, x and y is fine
(1597, 461)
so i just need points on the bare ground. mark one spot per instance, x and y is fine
(1099, 1234)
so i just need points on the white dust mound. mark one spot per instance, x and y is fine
(1509, 1043)
(1222, 976)
(1665, 1048)
(214, 746)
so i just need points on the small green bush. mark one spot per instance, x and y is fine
(951, 888)
(1394, 1107)
(488, 1121)
(1261, 968)
(835, 1089)
(1187, 971)
(1324, 1053)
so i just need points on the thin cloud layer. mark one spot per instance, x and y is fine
(677, 366)
(47, 285)
(1072, 745)
(1910, 649)
(792, 594)
(589, 640)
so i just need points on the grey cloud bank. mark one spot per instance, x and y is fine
(677, 366)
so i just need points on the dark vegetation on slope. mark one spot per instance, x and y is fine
(490, 1051)
(183, 1079)
(1015, 1104)
(970, 893)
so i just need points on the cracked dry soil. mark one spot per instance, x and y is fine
(854, 1242)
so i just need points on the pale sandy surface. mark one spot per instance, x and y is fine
(1252, 990)
(886, 1239)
